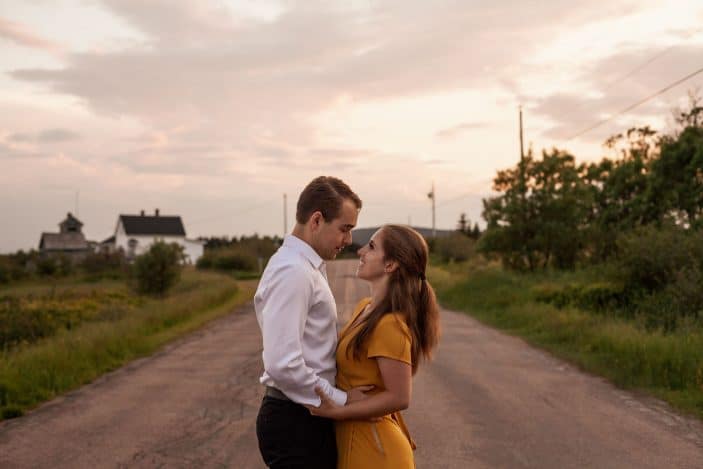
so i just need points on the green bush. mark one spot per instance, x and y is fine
(456, 247)
(64, 265)
(599, 297)
(686, 291)
(5, 276)
(649, 258)
(158, 269)
(236, 261)
(29, 318)
(102, 264)
(13, 267)
(47, 266)
(229, 259)
(206, 261)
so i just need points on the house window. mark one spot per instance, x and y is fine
(132, 247)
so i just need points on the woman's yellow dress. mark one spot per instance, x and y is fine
(368, 444)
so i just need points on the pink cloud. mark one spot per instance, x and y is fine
(21, 35)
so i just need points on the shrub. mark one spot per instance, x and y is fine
(229, 259)
(686, 291)
(455, 247)
(599, 296)
(650, 257)
(158, 269)
(102, 263)
(206, 261)
(64, 265)
(5, 276)
(47, 266)
(236, 261)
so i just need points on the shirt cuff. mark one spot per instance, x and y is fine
(339, 397)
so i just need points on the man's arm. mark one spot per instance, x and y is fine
(285, 310)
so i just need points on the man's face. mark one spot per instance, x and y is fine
(330, 237)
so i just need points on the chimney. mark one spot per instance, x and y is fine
(156, 212)
(142, 214)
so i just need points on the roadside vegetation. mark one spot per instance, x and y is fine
(600, 263)
(244, 257)
(65, 325)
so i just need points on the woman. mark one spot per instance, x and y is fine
(381, 346)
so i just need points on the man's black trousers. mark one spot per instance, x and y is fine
(289, 437)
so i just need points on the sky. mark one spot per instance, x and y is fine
(213, 110)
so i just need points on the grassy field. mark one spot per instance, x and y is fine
(669, 366)
(107, 326)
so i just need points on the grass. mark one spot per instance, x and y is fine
(34, 373)
(669, 366)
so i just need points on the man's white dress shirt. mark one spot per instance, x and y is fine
(298, 320)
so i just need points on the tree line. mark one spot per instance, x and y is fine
(553, 212)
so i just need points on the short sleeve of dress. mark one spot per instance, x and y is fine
(391, 339)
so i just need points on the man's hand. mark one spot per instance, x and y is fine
(358, 393)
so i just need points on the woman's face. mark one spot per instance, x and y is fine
(371, 263)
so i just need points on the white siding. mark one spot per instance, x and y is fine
(193, 249)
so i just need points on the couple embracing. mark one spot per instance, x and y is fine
(333, 400)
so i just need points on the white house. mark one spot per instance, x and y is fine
(134, 234)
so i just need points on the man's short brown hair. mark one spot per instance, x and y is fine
(325, 194)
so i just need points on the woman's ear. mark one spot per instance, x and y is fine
(390, 267)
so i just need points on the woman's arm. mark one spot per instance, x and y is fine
(397, 381)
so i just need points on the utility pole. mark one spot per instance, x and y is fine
(523, 196)
(523, 187)
(522, 151)
(431, 196)
(285, 214)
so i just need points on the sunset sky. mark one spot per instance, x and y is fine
(212, 110)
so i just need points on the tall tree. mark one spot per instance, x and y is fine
(542, 222)
(676, 178)
(619, 190)
(462, 225)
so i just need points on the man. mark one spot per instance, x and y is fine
(298, 319)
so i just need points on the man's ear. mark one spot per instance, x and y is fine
(316, 220)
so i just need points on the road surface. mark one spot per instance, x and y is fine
(487, 401)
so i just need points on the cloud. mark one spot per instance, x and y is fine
(11, 152)
(21, 35)
(205, 109)
(614, 89)
(237, 79)
(245, 93)
(45, 136)
(458, 129)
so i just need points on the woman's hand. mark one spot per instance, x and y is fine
(359, 393)
(327, 406)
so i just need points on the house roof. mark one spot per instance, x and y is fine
(361, 236)
(71, 221)
(110, 240)
(73, 241)
(152, 225)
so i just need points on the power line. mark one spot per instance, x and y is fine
(638, 103)
(641, 66)
(649, 61)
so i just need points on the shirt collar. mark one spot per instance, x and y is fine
(301, 247)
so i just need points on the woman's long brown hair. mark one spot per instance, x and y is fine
(409, 293)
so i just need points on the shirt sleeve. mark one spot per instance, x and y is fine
(284, 313)
(391, 339)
